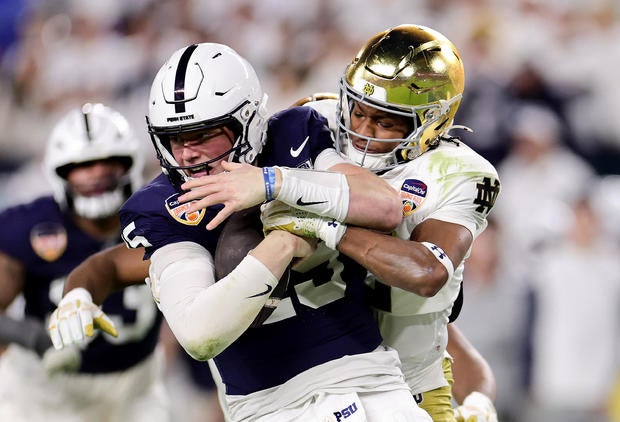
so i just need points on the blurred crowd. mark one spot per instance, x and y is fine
(542, 287)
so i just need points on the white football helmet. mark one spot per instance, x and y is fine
(199, 87)
(411, 71)
(92, 132)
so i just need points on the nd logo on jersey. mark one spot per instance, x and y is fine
(412, 193)
(178, 211)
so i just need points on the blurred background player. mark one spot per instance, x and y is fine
(93, 162)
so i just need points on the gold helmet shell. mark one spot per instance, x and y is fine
(409, 70)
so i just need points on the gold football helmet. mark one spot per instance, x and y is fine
(408, 70)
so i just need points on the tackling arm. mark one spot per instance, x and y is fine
(346, 192)
(408, 264)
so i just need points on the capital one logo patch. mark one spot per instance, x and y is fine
(412, 193)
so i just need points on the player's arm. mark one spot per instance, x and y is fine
(107, 271)
(27, 332)
(88, 285)
(205, 316)
(345, 193)
(12, 275)
(470, 369)
(421, 265)
(474, 385)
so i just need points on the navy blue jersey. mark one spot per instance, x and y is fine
(49, 245)
(328, 315)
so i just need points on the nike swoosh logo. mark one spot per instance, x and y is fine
(301, 202)
(269, 288)
(295, 152)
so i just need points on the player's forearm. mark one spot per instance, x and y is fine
(206, 317)
(373, 202)
(396, 262)
(345, 193)
(107, 271)
(471, 371)
(12, 274)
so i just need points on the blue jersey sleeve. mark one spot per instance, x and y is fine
(153, 217)
(295, 137)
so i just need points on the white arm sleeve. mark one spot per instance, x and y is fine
(320, 192)
(205, 316)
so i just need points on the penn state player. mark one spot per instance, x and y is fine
(398, 99)
(94, 164)
(321, 357)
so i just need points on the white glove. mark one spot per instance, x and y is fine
(65, 360)
(76, 318)
(476, 408)
(277, 215)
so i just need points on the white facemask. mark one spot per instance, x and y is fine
(100, 206)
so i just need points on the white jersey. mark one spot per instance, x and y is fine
(451, 183)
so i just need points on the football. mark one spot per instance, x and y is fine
(241, 233)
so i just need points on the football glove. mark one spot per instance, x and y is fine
(76, 318)
(476, 408)
(277, 215)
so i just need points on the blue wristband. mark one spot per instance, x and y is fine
(269, 176)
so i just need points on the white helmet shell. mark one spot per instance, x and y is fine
(92, 132)
(202, 86)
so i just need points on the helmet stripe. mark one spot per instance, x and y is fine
(87, 125)
(179, 79)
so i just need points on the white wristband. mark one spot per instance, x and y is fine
(441, 256)
(320, 192)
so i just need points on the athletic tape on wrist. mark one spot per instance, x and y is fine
(269, 176)
(441, 256)
(323, 193)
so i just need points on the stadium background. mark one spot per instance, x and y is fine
(542, 69)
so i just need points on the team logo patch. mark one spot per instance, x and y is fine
(179, 212)
(412, 193)
(48, 240)
(368, 89)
